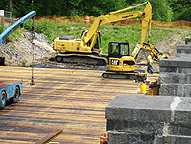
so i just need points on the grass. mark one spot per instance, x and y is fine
(131, 34)
(14, 35)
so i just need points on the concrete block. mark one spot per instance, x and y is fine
(175, 78)
(188, 40)
(175, 69)
(187, 90)
(183, 50)
(135, 126)
(182, 78)
(179, 78)
(129, 138)
(181, 54)
(168, 69)
(184, 70)
(170, 89)
(175, 62)
(148, 119)
(140, 108)
(183, 129)
(172, 140)
(184, 47)
(188, 75)
(182, 113)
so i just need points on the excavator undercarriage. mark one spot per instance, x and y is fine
(134, 75)
(82, 59)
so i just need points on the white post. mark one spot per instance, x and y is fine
(2, 15)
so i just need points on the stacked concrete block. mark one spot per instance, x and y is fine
(145, 119)
(175, 72)
(184, 50)
(188, 40)
(142, 119)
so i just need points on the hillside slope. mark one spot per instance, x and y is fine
(20, 52)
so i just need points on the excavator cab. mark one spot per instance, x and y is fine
(119, 57)
(118, 49)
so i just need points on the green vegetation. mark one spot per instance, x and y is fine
(163, 10)
(131, 34)
(2, 28)
(15, 34)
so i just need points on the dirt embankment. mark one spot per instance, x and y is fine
(20, 52)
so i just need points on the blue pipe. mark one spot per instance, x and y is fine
(10, 29)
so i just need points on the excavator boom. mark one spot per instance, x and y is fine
(117, 16)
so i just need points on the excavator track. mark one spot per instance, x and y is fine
(135, 75)
(82, 59)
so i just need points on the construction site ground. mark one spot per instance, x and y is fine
(61, 99)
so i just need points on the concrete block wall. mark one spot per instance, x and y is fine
(188, 40)
(184, 50)
(141, 119)
(175, 72)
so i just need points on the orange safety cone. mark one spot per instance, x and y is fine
(87, 20)
(103, 139)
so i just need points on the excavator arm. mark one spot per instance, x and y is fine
(146, 46)
(117, 16)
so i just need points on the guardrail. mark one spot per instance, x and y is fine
(7, 20)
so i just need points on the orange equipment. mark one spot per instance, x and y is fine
(103, 138)
(87, 20)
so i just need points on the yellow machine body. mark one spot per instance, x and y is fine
(122, 64)
(76, 45)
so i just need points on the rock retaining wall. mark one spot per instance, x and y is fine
(133, 119)
(142, 119)
(184, 50)
(175, 72)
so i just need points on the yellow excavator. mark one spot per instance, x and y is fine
(121, 63)
(87, 49)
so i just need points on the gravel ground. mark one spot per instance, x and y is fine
(20, 52)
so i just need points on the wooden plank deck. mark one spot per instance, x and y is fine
(71, 100)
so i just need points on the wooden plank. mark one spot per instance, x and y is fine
(49, 137)
(71, 100)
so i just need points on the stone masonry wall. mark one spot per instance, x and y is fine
(184, 50)
(141, 119)
(163, 119)
(175, 72)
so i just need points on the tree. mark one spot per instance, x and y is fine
(10, 5)
(181, 9)
(161, 11)
(96, 7)
(68, 8)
